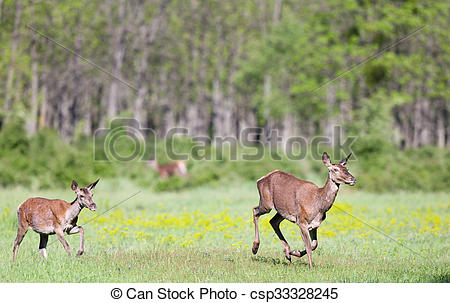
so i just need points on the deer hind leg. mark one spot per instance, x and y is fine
(75, 230)
(63, 241)
(257, 211)
(314, 244)
(21, 231)
(275, 222)
(43, 245)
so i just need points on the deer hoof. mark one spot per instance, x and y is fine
(79, 253)
(255, 248)
(289, 258)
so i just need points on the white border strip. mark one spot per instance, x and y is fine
(221, 292)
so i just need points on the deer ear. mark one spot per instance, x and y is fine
(92, 185)
(326, 160)
(74, 185)
(344, 161)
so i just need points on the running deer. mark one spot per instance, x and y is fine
(49, 217)
(300, 202)
(177, 168)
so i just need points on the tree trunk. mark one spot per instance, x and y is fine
(87, 115)
(446, 121)
(289, 129)
(270, 124)
(267, 115)
(31, 122)
(440, 126)
(218, 107)
(277, 11)
(148, 36)
(417, 124)
(14, 44)
(1, 10)
(118, 48)
(331, 119)
(43, 110)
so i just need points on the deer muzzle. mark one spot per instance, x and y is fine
(93, 207)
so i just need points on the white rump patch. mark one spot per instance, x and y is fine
(182, 167)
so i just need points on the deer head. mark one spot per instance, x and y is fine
(339, 174)
(84, 195)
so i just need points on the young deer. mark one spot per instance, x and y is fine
(300, 202)
(177, 168)
(49, 217)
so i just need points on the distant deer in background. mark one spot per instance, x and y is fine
(49, 217)
(176, 168)
(300, 202)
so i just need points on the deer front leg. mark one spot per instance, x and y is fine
(75, 230)
(314, 244)
(63, 241)
(304, 232)
(43, 245)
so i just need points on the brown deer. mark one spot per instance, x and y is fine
(176, 168)
(300, 202)
(49, 217)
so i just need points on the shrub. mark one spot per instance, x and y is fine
(47, 161)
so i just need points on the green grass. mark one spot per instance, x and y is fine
(205, 235)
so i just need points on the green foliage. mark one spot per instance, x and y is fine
(47, 161)
(44, 158)
(172, 184)
(13, 138)
(427, 169)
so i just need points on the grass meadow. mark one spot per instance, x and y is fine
(205, 234)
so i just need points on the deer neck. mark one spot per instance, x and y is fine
(74, 210)
(328, 194)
